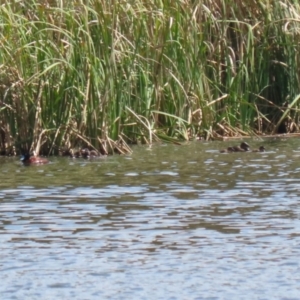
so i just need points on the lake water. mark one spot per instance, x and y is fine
(167, 222)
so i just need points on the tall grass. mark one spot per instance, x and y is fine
(103, 74)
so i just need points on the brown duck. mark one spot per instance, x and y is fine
(86, 153)
(260, 149)
(227, 150)
(243, 147)
(75, 153)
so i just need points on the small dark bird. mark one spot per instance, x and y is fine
(243, 147)
(75, 153)
(260, 149)
(228, 150)
(94, 153)
(86, 153)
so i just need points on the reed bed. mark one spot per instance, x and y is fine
(106, 74)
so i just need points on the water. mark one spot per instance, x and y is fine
(169, 222)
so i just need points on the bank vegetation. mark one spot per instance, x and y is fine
(107, 74)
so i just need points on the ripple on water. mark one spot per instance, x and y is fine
(153, 227)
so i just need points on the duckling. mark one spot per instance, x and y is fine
(75, 154)
(260, 149)
(243, 147)
(65, 152)
(94, 153)
(86, 153)
(228, 150)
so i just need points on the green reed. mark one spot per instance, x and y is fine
(102, 73)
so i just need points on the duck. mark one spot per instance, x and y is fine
(75, 153)
(27, 159)
(260, 149)
(94, 153)
(86, 153)
(227, 150)
(243, 147)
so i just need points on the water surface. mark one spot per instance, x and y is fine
(167, 222)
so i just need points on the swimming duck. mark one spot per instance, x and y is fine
(260, 149)
(243, 147)
(228, 150)
(26, 159)
(94, 153)
(86, 153)
(75, 154)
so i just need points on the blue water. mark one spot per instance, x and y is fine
(167, 222)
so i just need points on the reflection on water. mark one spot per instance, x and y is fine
(170, 222)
